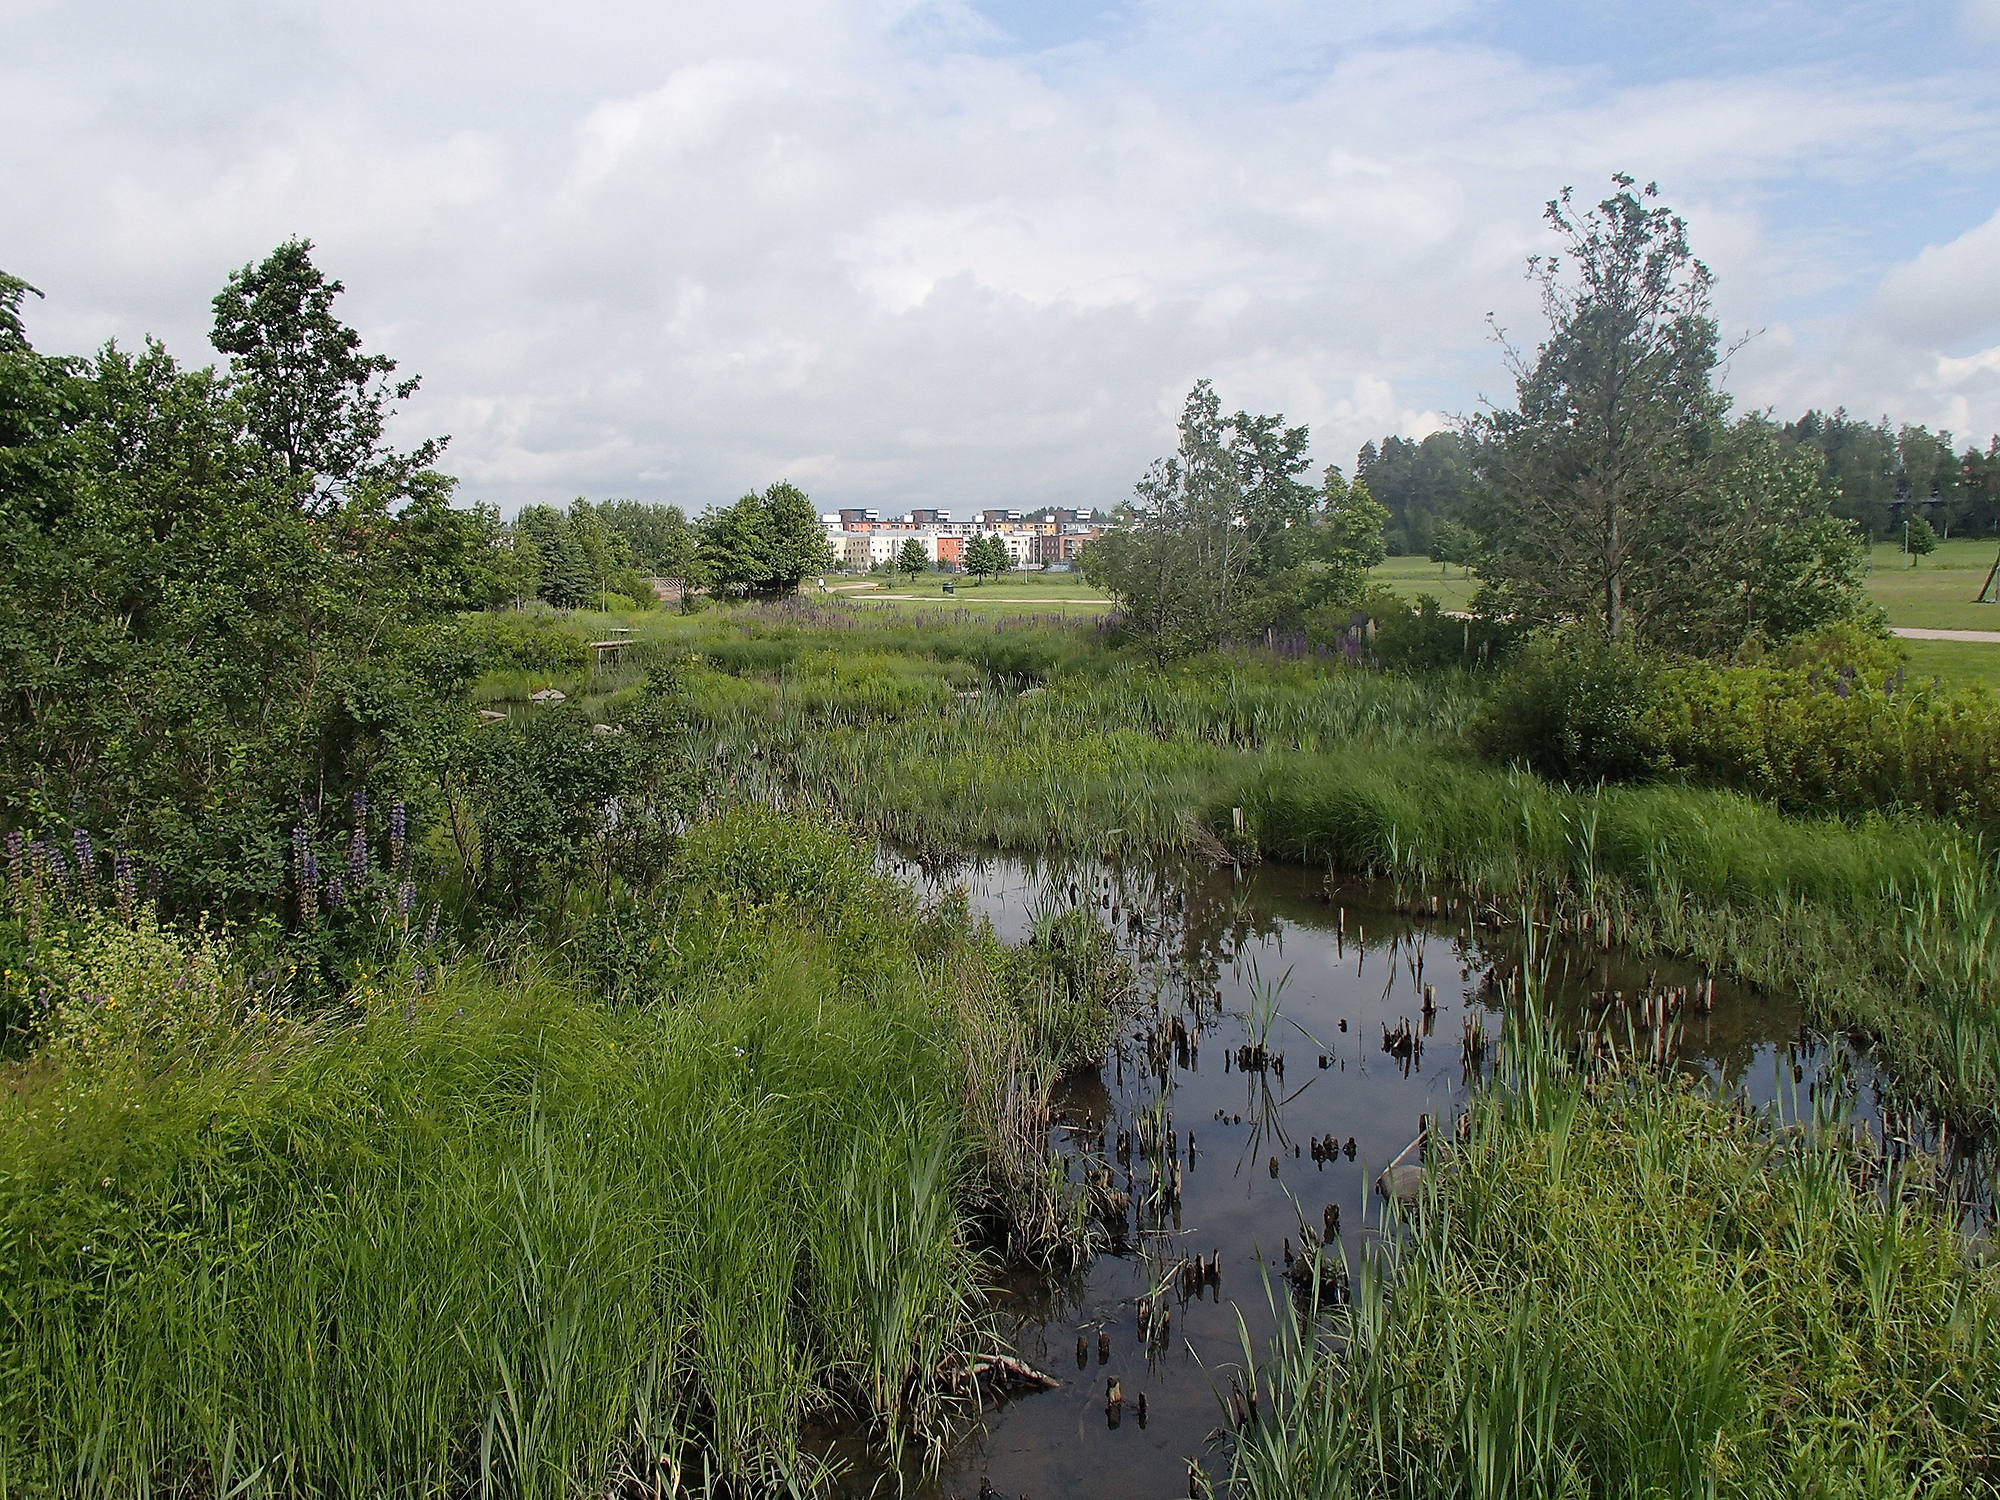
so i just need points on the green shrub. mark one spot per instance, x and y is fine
(1571, 707)
(1829, 738)
(138, 988)
(756, 857)
(526, 643)
(1423, 638)
(1828, 723)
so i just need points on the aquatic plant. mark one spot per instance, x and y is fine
(1627, 1285)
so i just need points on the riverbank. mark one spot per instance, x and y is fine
(494, 1224)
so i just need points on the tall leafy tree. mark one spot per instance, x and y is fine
(763, 544)
(985, 556)
(195, 641)
(1226, 533)
(662, 542)
(1858, 465)
(309, 393)
(1616, 493)
(1419, 484)
(1614, 427)
(1764, 554)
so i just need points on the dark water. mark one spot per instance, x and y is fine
(1343, 968)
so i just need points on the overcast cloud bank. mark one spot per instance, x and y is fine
(938, 254)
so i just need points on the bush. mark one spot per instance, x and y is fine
(761, 858)
(1829, 735)
(1571, 707)
(1423, 638)
(527, 643)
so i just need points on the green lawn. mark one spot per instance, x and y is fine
(1937, 593)
(1062, 593)
(1955, 662)
(1412, 576)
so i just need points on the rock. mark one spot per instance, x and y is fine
(491, 716)
(1404, 1183)
(548, 695)
(607, 729)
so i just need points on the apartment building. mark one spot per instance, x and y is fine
(862, 539)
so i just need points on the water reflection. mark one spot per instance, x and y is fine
(1287, 1041)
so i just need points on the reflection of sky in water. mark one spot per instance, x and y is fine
(1206, 945)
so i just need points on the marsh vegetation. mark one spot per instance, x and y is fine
(458, 1044)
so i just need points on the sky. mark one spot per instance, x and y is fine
(942, 252)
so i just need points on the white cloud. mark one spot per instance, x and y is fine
(1949, 295)
(679, 252)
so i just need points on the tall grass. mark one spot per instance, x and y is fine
(499, 1235)
(1884, 926)
(1626, 1286)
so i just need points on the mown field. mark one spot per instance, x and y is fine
(1058, 593)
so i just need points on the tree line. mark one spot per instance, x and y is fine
(1873, 474)
(1618, 490)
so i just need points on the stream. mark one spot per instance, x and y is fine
(1347, 974)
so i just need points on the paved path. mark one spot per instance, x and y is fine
(1911, 633)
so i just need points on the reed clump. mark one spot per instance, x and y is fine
(1627, 1285)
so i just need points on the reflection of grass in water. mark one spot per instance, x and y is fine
(1638, 1289)
(1260, 1011)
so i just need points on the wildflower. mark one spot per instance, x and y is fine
(398, 826)
(86, 866)
(431, 927)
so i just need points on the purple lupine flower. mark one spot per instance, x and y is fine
(58, 868)
(357, 854)
(406, 897)
(431, 927)
(419, 978)
(335, 889)
(398, 825)
(308, 878)
(86, 865)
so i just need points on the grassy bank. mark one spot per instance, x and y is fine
(1621, 1285)
(486, 1225)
